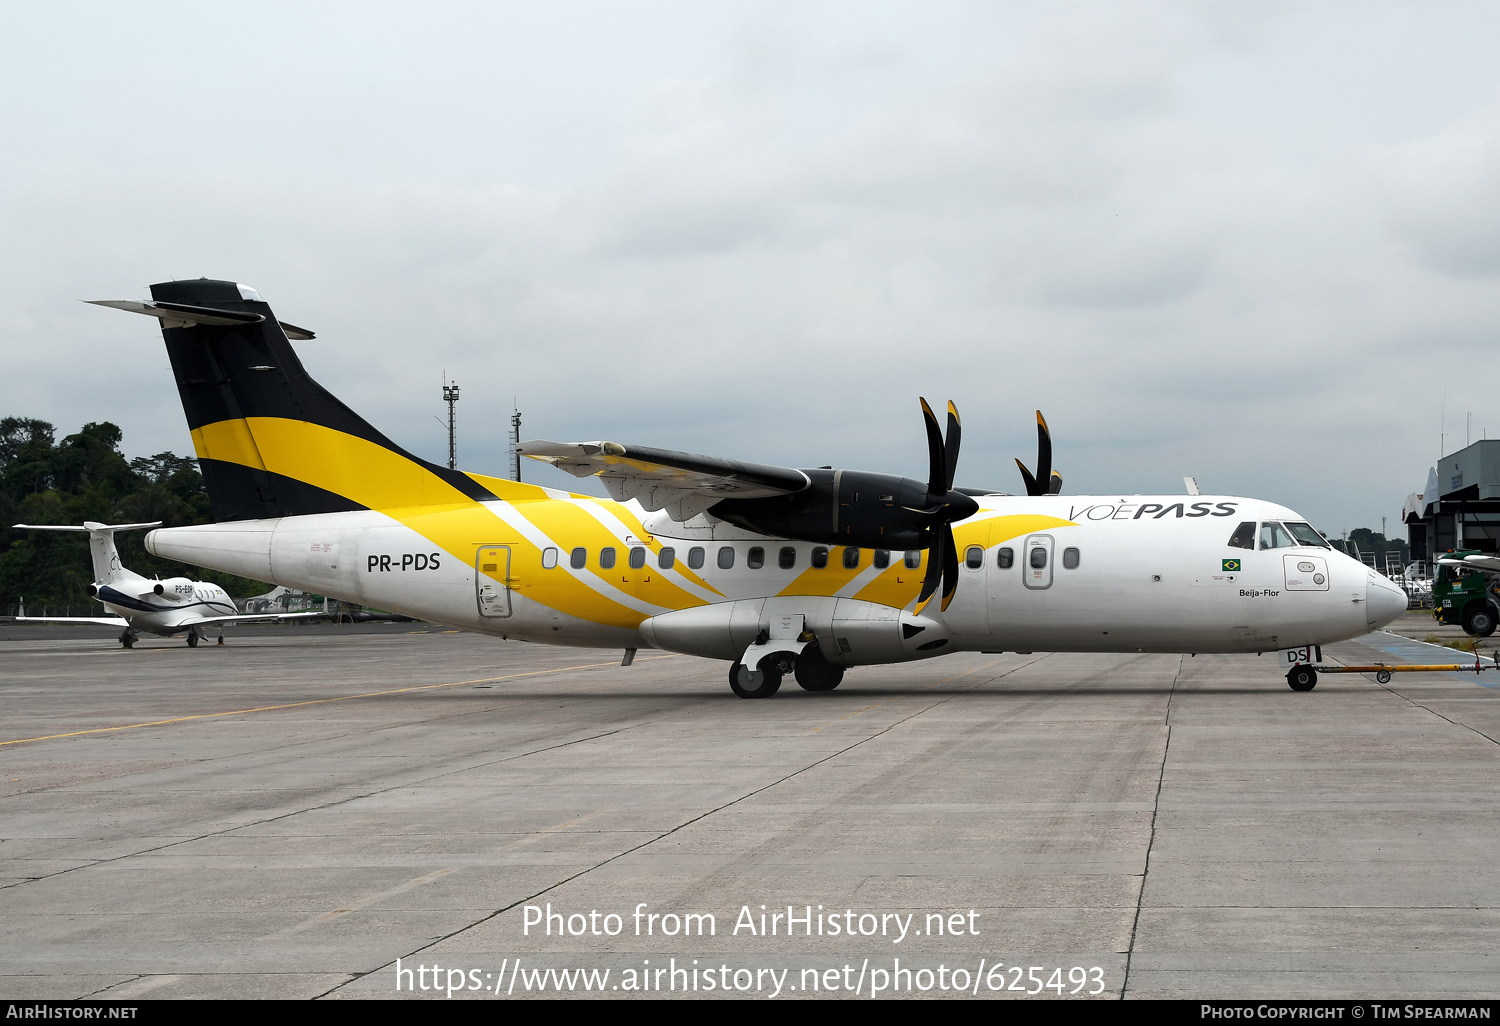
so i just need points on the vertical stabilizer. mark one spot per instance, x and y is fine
(270, 440)
(107, 567)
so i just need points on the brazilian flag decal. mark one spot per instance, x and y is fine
(1231, 565)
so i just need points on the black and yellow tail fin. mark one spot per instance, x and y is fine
(271, 441)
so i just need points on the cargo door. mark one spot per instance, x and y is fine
(492, 580)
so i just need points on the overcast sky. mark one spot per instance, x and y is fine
(1255, 243)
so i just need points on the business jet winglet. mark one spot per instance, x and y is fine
(775, 570)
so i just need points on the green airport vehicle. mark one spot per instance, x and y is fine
(1466, 596)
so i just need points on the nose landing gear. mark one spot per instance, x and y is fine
(1302, 678)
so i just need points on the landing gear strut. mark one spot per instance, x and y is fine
(1302, 678)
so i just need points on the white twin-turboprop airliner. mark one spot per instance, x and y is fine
(176, 605)
(772, 569)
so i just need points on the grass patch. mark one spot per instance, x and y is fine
(1462, 644)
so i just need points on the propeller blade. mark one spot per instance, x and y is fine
(1054, 487)
(1027, 479)
(934, 569)
(1043, 455)
(950, 447)
(950, 565)
(937, 463)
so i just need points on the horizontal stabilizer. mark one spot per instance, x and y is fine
(88, 525)
(185, 315)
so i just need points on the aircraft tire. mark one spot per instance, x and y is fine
(814, 673)
(192, 639)
(762, 682)
(1479, 620)
(127, 641)
(1302, 678)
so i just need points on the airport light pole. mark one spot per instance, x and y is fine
(515, 444)
(450, 396)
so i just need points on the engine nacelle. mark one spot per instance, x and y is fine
(849, 507)
(848, 632)
(173, 589)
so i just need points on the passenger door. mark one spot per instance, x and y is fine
(492, 580)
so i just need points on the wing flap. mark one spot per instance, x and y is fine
(684, 484)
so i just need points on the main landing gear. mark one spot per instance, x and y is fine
(1302, 678)
(127, 638)
(812, 671)
(192, 637)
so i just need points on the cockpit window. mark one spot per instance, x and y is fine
(1274, 536)
(1306, 534)
(1243, 536)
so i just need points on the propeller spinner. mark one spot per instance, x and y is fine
(1047, 481)
(944, 505)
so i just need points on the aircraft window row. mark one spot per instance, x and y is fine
(1273, 535)
(755, 558)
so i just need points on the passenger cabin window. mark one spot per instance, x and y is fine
(606, 558)
(726, 557)
(695, 557)
(882, 559)
(578, 557)
(914, 559)
(974, 557)
(1038, 558)
(1005, 558)
(1306, 534)
(637, 558)
(1243, 536)
(755, 558)
(549, 558)
(851, 558)
(1274, 536)
(666, 558)
(787, 557)
(819, 558)
(1070, 559)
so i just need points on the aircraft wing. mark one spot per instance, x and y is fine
(682, 483)
(209, 621)
(105, 621)
(1487, 564)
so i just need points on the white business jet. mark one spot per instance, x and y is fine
(174, 606)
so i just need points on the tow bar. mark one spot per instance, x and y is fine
(1383, 671)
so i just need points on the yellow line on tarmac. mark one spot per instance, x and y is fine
(315, 701)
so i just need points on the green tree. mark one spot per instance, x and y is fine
(86, 477)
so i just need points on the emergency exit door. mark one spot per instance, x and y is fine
(1036, 568)
(492, 580)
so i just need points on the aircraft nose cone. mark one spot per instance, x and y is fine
(1385, 602)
